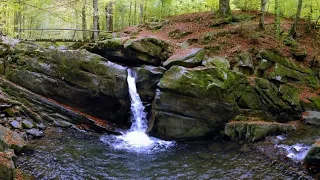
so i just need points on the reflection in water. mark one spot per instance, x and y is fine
(76, 155)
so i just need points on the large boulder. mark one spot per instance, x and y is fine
(79, 79)
(255, 130)
(187, 58)
(192, 103)
(218, 62)
(150, 51)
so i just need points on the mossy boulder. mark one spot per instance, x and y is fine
(253, 131)
(218, 62)
(202, 99)
(291, 95)
(287, 70)
(149, 51)
(210, 83)
(244, 64)
(250, 99)
(186, 58)
(312, 159)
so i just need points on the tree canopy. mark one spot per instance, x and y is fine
(116, 14)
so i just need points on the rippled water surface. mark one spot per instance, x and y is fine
(75, 155)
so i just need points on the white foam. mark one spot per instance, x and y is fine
(296, 152)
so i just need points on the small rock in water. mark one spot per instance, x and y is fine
(27, 124)
(15, 124)
(35, 132)
(41, 126)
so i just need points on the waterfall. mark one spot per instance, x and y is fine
(136, 138)
(139, 121)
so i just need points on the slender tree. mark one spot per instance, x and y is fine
(109, 16)
(277, 20)
(224, 7)
(95, 20)
(84, 19)
(293, 29)
(263, 10)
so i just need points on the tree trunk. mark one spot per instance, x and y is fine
(277, 20)
(135, 13)
(224, 7)
(84, 20)
(263, 10)
(293, 29)
(109, 16)
(130, 12)
(95, 20)
(141, 21)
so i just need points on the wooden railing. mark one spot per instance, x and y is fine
(41, 37)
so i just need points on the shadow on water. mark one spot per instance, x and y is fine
(69, 154)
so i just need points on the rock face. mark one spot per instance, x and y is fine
(149, 51)
(80, 79)
(253, 131)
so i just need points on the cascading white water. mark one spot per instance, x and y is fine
(139, 122)
(136, 138)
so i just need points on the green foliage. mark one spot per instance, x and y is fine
(16, 14)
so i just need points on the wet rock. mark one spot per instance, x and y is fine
(312, 159)
(35, 132)
(255, 130)
(11, 139)
(147, 78)
(186, 58)
(41, 126)
(218, 62)
(15, 124)
(312, 117)
(27, 124)
(63, 124)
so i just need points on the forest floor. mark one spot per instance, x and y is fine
(229, 37)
